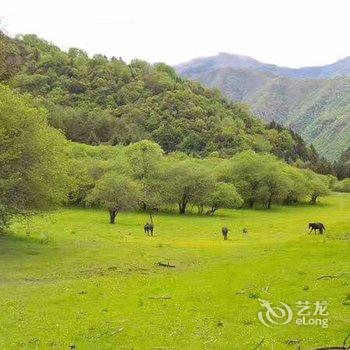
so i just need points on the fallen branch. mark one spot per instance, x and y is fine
(326, 276)
(345, 340)
(257, 346)
(160, 297)
(164, 264)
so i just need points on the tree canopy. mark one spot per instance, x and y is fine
(33, 164)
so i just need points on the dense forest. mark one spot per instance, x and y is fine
(106, 101)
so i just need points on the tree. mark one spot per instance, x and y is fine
(153, 193)
(259, 178)
(342, 186)
(33, 161)
(317, 185)
(298, 188)
(274, 183)
(144, 158)
(188, 182)
(87, 164)
(224, 195)
(343, 165)
(115, 192)
(244, 171)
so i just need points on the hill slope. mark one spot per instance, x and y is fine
(98, 100)
(317, 109)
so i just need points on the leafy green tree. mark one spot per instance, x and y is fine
(274, 183)
(224, 195)
(343, 165)
(244, 171)
(259, 178)
(153, 193)
(342, 186)
(115, 192)
(317, 184)
(188, 182)
(33, 161)
(144, 158)
(298, 187)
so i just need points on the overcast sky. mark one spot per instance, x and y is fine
(286, 32)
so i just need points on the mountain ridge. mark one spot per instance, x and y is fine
(224, 60)
(316, 108)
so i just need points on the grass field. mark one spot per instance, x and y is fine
(71, 278)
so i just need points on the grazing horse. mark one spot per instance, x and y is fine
(148, 228)
(224, 231)
(314, 226)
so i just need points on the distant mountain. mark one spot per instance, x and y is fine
(318, 109)
(227, 60)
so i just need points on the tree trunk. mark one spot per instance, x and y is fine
(211, 211)
(250, 203)
(151, 217)
(269, 202)
(112, 214)
(182, 207)
(313, 199)
(200, 209)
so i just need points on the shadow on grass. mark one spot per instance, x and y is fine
(14, 245)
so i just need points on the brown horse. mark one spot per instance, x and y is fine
(224, 231)
(148, 228)
(314, 226)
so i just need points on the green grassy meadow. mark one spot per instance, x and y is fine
(71, 278)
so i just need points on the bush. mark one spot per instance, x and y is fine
(4, 218)
(342, 186)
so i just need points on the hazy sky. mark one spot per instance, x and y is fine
(286, 32)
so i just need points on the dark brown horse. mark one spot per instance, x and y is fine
(314, 226)
(148, 228)
(224, 231)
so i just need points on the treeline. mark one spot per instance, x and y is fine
(39, 169)
(140, 176)
(342, 166)
(106, 101)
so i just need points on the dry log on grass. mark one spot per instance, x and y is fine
(326, 276)
(164, 264)
(161, 297)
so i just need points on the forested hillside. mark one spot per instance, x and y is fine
(106, 101)
(343, 165)
(317, 109)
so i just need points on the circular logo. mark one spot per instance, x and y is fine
(274, 315)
